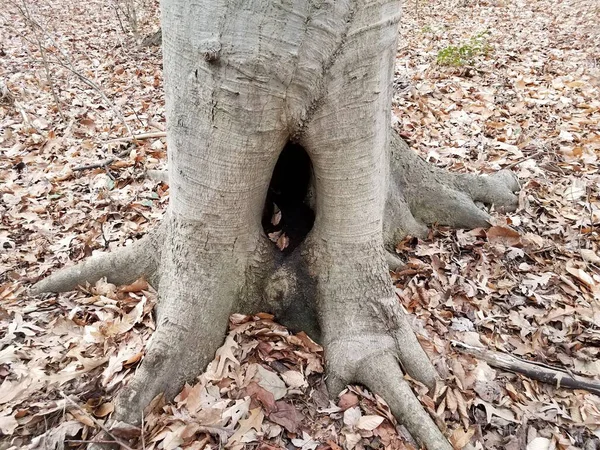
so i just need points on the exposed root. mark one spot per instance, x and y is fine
(382, 374)
(159, 373)
(412, 357)
(368, 351)
(365, 333)
(290, 294)
(198, 288)
(393, 261)
(421, 194)
(121, 267)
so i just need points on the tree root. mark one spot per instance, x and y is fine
(365, 334)
(290, 293)
(420, 194)
(411, 355)
(120, 268)
(383, 375)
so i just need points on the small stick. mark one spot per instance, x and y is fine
(138, 137)
(536, 371)
(104, 163)
(142, 433)
(522, 160)
(98, 423)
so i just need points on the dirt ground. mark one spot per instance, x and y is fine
(480, 86)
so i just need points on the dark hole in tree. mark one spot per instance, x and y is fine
(287, 217)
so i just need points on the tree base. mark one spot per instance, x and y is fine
(202, 279)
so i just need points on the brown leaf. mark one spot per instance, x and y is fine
(451, 401)
(287, 416)
(264, 397)
(254, 421)
(137, 286)
(82, 418)
(504, 235)
(582, 276)
(462, 408)
(333, 445)
(369, 423)
(134, 359)
(461, 438)
(348, 400)
(282, 242)
(310, 345)
(104, 409)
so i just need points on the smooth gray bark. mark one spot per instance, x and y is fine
(242, 78)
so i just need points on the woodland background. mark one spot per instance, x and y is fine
(480, 86)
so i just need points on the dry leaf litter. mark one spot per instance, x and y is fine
(523, 93)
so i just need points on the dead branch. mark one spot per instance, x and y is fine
(522, 160)
(25, 12)
(534, 370)
(66, 63)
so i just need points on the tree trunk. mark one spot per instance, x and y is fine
(242, 79)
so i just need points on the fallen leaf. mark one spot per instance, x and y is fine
(460, 438)
(271, 382)
(104, 409)
(503, 235)
(286, 415)
(540, 443)
(369, 423)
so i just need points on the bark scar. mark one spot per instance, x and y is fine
(210, 49)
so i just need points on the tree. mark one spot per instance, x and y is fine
(242, 80)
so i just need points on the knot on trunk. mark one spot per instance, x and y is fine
(210, 49)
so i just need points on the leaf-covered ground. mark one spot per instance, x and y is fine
(480, 86)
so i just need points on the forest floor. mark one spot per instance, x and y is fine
(480, 86)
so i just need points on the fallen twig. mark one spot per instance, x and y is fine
(103, 163)
(97, 422)
(138, 137)
(522, 160)
(537, 371)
